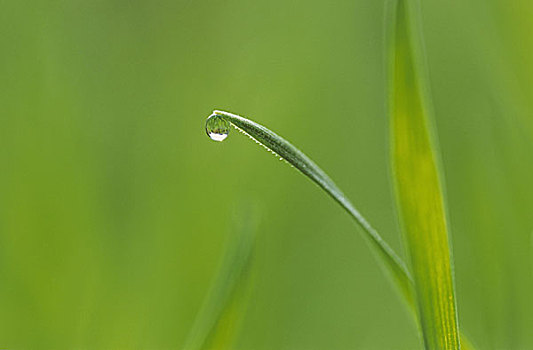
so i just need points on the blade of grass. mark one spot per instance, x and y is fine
(217, 324)
(418, 190)
(285, 150)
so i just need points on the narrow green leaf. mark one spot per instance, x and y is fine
(285, 150)
(217, 324)
(418, 190)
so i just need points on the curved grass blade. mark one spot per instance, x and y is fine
(418, 191)
(218, 322)
(285, 150)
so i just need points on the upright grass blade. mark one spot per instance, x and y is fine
(418, 190)
(217, 324)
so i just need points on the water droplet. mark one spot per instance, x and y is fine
(217, 127)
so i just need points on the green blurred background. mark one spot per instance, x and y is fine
(115, 206)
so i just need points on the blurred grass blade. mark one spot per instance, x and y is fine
(393, 265)
(418, 190)
(218, 322)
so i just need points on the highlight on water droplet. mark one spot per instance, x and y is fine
(217, 127)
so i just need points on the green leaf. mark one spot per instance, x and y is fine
(418, 190)
(218, 322)
(274, 143)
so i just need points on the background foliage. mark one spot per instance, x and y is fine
(115, 206)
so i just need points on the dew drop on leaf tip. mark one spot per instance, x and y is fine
(217, 127)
